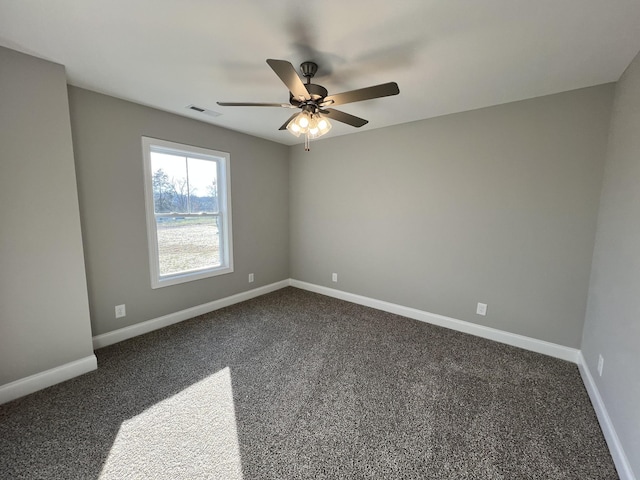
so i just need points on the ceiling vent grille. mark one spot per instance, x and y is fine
(205, 111)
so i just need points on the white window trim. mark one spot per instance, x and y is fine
(226, 247)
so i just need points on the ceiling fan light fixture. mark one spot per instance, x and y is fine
(294, 127)
(324, 125)
(303, 120)
(319, 126)
(312, 125)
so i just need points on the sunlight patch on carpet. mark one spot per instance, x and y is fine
(190, 435)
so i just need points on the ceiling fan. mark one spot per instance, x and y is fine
(315, 102)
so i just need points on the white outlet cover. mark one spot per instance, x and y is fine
(334, 277)
(600, 364)
(251, 278)
(482, 309)
(121, 311)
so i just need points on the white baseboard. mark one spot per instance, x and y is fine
(126, 333)
(532, 344)
(528, 343)
(615, 447)
(38, 381)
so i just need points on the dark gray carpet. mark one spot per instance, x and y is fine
(321, 389)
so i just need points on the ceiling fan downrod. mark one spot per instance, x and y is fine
(308, 69)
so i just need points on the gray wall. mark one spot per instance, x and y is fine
(497, 205)
(44, 314)
(612, 325)
(107, 141)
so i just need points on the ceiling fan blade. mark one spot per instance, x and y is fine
(377, 91)
(290, 78)
(352, 120)
(284, 125)
(250, 104)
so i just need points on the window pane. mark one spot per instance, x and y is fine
(170, 190)
(187, 243)
(203, 185)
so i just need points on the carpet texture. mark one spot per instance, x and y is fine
(298, 385)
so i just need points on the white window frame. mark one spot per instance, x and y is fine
(222, 159)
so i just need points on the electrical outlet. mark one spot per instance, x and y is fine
(121, 311)
(334, 277)
(481, 309)
(600, 364)
(251, 278)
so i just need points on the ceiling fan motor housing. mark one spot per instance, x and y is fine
(317, 93)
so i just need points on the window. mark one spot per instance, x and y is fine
(188, 204)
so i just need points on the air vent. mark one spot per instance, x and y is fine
(205, 111)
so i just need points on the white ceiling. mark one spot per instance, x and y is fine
(446, 55)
